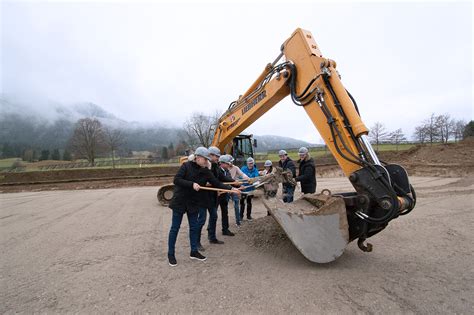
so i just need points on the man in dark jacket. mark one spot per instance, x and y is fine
(214, 154)
(223, 199)
(190, 199)
(286, 163)
(307, 172)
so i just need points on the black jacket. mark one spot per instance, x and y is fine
(219, 174)
(289, 164)
(223, 176)
(185, 198)
(307, 176)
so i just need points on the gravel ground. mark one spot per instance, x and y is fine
(105, 251)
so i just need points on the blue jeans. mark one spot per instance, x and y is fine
(176, 224)
(236, 200)
(211, 227)
(288, 192)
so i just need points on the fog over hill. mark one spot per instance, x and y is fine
(49, 125)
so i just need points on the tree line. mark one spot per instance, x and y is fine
(88, 138)
(435, 129)
(34, 138)
(91, 139)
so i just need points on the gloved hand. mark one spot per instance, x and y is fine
(288, 178)
(236, 191)
(252, 180)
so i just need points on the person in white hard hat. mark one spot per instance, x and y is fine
(287, 164)
(307, 172)
(225, 163)
(189, 198)
(251, 171)
(236, 174)
(214, 154)
(270, 187)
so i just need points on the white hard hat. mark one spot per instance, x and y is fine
(303, 150)
(282, 152)
(268, 163)
(202, 151)
(225, 159)
(215, 151)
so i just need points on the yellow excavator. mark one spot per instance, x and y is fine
(321, 225)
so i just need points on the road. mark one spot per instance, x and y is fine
(105, 251)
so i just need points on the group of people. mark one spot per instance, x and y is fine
(207, 168)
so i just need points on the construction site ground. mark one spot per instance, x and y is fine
(104, 250)
(101, 246)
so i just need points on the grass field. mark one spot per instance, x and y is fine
(393, 147)
(322, 152)
(39, 166)
(4, 163)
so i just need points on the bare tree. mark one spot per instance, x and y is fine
(28, 155)
(378, 134)
(164, 153)
(458, 130)
(397, 137)
(445, 126)
(181, 148)
(420, 134)
(113, 139)
(87, 139)
(200, 128)
(431, 128)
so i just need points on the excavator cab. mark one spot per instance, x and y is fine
(242, 148)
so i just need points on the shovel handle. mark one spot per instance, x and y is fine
(225, 183)
(218, 189)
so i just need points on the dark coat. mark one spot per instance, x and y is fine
(307, 176)
(223, 176)
(219, 174)
(185, 198)
(289, 164)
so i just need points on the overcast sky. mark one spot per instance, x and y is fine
(160, 62)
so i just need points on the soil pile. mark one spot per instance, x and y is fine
(451, 153)
(451, 160)
(263, 233)
(265, 236)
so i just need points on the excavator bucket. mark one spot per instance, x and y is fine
(316, 224)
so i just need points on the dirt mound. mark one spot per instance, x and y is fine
(452, 159)
(86, 174)
(264, 234)
(462, 152)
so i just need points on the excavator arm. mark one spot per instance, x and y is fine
(309, 79)
(383, 191)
